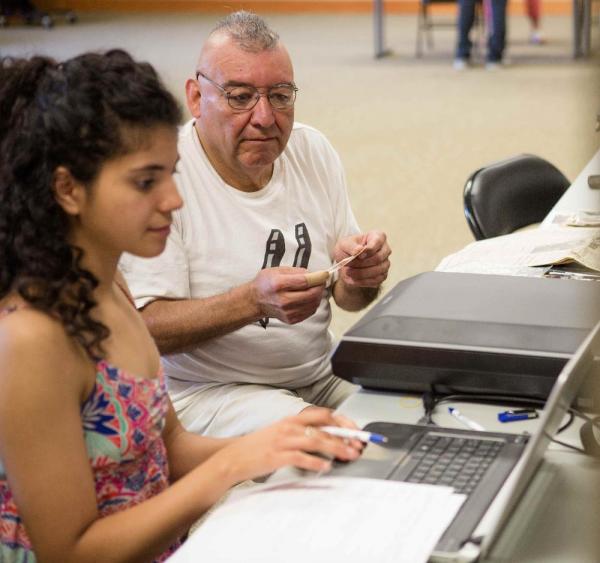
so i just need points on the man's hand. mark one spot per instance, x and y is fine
(283, 293)
(370, 268)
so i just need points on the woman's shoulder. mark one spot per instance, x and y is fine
(27, 333)
(40, 365)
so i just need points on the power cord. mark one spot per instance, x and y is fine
(429, 404)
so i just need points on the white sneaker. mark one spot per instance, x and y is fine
(494, 65)
(536, 38)
(460, 64)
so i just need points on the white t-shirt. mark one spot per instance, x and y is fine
(222, 237)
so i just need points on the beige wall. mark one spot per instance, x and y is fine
(283, 6)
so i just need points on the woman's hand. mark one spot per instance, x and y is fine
(292, 441)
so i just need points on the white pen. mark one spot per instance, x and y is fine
(361, 435)
(466, 421)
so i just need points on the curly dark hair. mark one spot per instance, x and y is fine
(77, 114)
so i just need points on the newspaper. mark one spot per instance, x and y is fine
(528, 252)
(577, 218)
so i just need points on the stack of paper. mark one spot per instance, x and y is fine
(520, 253)
(329, 519)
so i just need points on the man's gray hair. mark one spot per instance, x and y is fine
(249, 31)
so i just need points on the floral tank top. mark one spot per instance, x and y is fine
(122, 422)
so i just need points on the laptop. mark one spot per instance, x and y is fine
(499, 465)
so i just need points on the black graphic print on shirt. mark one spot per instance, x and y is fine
(304, 246)
(275, 250)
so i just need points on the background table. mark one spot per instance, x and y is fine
(582, 28)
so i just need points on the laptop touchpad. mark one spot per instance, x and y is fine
(376, 462)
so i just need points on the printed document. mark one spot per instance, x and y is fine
(330, 519)
(523, 253)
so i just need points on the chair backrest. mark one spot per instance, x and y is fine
(509, 194)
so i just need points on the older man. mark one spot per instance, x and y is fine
(244, 338)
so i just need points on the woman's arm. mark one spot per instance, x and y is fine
(43, 380)
(186, 450)
(262, 452)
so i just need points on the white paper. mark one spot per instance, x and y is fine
(577, 218)
(329, 519)
(519, 253)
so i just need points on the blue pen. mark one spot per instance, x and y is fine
(361, 435)
(512, 416)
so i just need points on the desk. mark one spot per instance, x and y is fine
(558, 518)
(582, 28)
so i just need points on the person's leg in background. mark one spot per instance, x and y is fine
(533, 9)
(496, 33)
(466, 18)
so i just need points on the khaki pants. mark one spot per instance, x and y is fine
(231, 409)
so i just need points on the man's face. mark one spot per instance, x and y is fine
(242, 145)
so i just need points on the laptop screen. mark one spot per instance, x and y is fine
(584, 363)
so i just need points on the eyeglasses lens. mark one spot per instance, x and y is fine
(244, 98)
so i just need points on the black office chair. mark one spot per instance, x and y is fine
(509, 194)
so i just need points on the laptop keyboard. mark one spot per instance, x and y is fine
(455, 461)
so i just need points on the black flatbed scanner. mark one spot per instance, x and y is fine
(470, 333)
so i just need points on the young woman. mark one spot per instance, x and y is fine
(93, 463)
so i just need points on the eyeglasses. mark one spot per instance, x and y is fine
(244, 98)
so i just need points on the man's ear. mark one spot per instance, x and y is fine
(69, 193)
(192, 96)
